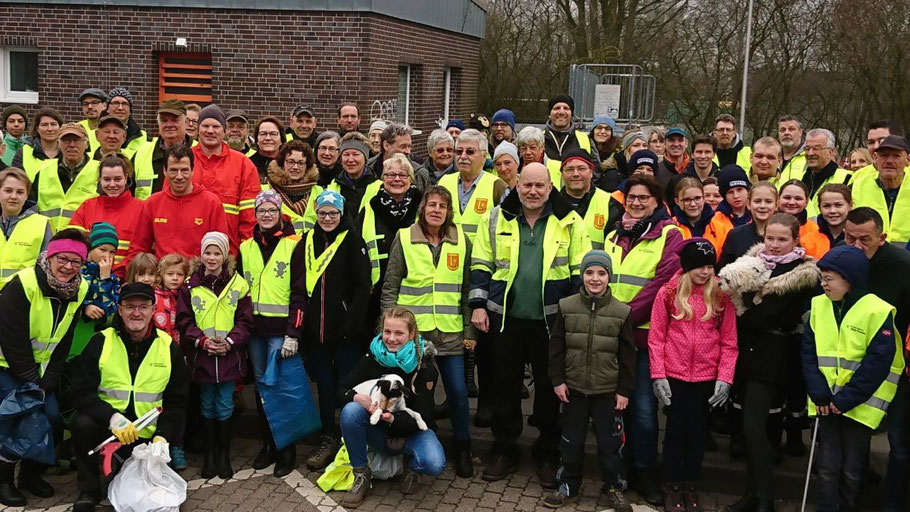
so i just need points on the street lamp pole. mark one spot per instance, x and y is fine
(742, 101)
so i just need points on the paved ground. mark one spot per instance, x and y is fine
(259, 491)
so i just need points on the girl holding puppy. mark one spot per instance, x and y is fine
(398, 350)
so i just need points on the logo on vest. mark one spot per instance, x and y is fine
(160, 220)
(280, 269)
(480, 206)
(233, 298)
(198, 221)
(858, 330)
(452, 261)
(198, 304)
(599, 221)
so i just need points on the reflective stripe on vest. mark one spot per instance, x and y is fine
(632, 272)
(433, 292)
(215, 314)
(32, 164)
(270, 283)
(309, 215)
(368, 193)
(596, 217)
(147, 390)
(868, 192)
(555, 165)
(372, 240)
(59, 206)
(41, 319)
(481, 200)
(22, 248)
(143, 171)
(315, 267)
(840, 351)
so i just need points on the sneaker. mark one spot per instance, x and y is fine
(617, 500)
(362, 484)
(178, 458)
(673, 499)
(558, 499)
(410, 482)
(690, 498)
(501, 467)
(323, 454)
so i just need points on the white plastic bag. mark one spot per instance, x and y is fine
(145, 483)
(384, 467)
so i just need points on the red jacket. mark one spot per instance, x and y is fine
(234, 179)
(165, 316)
(121, 211)
(170, 224)
(691, 350)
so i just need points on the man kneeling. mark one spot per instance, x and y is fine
(125, 371)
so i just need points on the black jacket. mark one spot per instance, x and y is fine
(387, 225)
(889, 278)
(335, 311)
(368, 368)
(815, 180)
(353, 190)
(86, 378)
(15, 341)
(739, 241)
(727, 156)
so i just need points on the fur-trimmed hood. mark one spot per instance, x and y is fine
(749, 275)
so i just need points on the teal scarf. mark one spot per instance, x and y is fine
(406, 358)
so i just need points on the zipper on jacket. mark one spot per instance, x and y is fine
(590, 344)
(217, 376)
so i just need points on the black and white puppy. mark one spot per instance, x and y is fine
(388, 394)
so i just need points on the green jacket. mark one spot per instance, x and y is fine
(592, 348)
(12, 145)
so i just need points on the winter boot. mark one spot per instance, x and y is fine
(223, 461)
(210, 464)
(362, 484)
(9, 495)
(30, 479)
(324, 453)
(266, 455)
(286, 461)
(464, 468)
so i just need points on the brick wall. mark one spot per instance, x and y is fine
(265, 62)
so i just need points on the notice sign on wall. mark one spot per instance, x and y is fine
(606, 100)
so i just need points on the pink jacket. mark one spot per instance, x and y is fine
(691, 350)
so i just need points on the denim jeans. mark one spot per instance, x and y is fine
(423, 448)
(843, 448)
(451, 369)
(7, 384)
(216, 400)
(899, 441)
(642, 417)
(259, 349)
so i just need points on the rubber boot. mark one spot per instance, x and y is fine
(464, 468)
(266, 455)
(469, 363)
(30, 479)
(9, 495)
(224, 449)
(210, 464)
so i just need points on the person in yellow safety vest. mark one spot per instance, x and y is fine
(266, 263)
(395, 139)
(334, 284)
(644, 251)
(94, 103)
(591, 203)
(877, 132)
(475, 192)
(884, 192)
(43, 146)
(730, 146)
(852, 359)
(124, 372)
(302, 125)
(765, 161)
(24, 233)
(109, 134)
(356, 183)
(149, 160)
(790, 137)
(526, 257)
(215, 319)
(429, 273)
(560, 136)
(505, 163)
(237, 134)
(821, 166)
(62, 185)
(293, 176)
(120, 104)
(392, 208)
(37, 308)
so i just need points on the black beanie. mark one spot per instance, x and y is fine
(697, 252)
(562, 98)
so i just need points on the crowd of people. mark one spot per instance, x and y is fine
(753, 287)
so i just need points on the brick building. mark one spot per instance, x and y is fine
(414, 61)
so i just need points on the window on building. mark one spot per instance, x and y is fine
(19, 75)
(185, 76)
(404, 94)
(446, 93)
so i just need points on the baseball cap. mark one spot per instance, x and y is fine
(93, 91)
(894, 142)
(110, 119)
(172, 106)
(131, 290)
(237, 114)
(676, 131)
(303, 109)
(72, 129)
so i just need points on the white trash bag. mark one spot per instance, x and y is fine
(384, 467)
(145, 483)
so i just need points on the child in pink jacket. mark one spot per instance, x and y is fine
(692, 349)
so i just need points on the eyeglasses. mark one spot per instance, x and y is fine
(145, 308)
(829, 279)
(692, 200)
(465, 151)
(500, 125)
(816, 148)
(573, 170)
(641, 199)
(269, 135)
(94, 103)
(328, 215)
(328, 150)
(119, 104)
(392, 176)
(267, 212)
(295, 163)
(63, 261)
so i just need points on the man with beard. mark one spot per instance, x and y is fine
(790, 136)
(560, 136)
(730, 146)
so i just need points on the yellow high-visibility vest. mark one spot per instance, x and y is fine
(215, 313)
(481, 201)
(868, 192)
(270, 282)
(315, 267)
(59, 206)
(22, 248)
(433, 292)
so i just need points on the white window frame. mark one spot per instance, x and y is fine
(7, 95)
(407, 91)
(447, 94)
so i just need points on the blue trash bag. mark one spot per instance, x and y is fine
(287, 400)
(24, 427)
